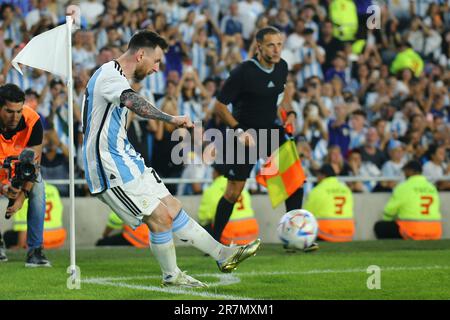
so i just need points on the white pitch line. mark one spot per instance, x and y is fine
(321, 271)
(229, 279)
(191, 292)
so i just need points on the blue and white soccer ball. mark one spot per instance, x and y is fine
(297, 229)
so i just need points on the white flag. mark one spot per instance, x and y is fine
(47, 51)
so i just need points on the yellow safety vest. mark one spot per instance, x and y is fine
(415, 205)
(331, 202)
(344, 16)
(242, 227)
(54, 232)
(139, 237)
(408, 59)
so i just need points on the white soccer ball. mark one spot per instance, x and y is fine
(297, 229)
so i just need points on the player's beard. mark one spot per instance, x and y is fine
(139, 75)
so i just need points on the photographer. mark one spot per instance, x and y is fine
(20, 128)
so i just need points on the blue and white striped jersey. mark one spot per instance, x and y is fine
(108, 157)
(309, 70)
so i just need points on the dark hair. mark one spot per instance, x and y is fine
(414, 166)
(308, 31)
(266, 30)
(377, 121)
(105, 48)
(55, 82)
(414, 116)
(147, 39)
(11, 93)
(352, 151)
(359, 112)
(4, 7)
(327, 171)
(308, 6)
(171, 82)
(432, 149)
(30, 91)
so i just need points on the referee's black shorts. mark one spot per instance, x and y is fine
(238, 166)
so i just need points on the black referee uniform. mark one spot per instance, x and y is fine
(253, 92)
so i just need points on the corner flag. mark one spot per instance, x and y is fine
(51, 51)
(47, 51)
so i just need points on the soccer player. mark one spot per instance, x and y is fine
(253, 88)
(116, 173)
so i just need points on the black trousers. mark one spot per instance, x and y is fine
(116, 240)
(387, 230)
(10, 238)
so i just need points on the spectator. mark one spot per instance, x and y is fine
(197, 163)
(190, 92)
(91, 10)
(309, 59)
(283, 22)
(358, 168)
(358, 130)
(330, 44)
(231, 23)
(249, 11)
(423, 39)
(199, 53)
(383, 132)
(370, 151)
(308, 13)
(338, 69)
(162, 160)
(336, 161)
(339, 130)
(436, 167)
(187, 28)
(295, 40)
(11, 24)
(393, 167)
(173, 11)
(314, 131)
(54, 162)
(34, 17)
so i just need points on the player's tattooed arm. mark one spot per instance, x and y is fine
(142, 107)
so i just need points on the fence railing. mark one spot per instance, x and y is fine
(310, 179)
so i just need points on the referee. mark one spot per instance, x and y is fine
(253, 88)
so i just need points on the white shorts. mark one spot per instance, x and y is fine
(137, 198)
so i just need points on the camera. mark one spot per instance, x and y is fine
(20, 170)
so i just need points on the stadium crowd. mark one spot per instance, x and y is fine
(368, 99)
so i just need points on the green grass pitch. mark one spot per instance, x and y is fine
(409, 270)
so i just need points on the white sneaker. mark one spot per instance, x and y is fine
(3, 257)
(181, 279)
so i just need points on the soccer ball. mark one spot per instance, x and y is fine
(297, 229)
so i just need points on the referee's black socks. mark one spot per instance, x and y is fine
(295, 200)
(223, 213)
